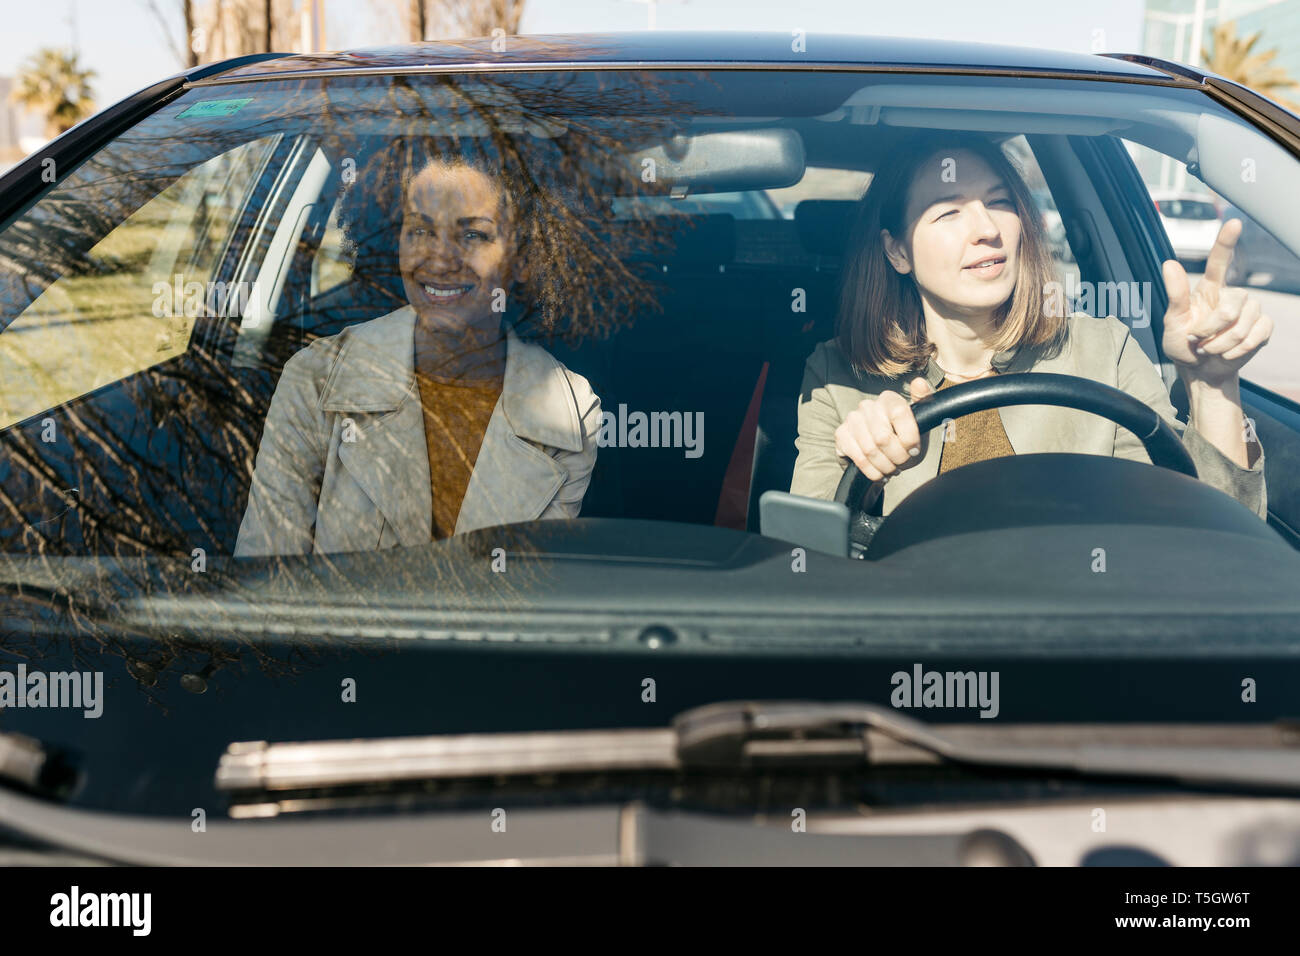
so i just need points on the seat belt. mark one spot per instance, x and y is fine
(733, 500)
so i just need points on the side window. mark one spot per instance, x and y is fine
(1019, 150)
(1192, 215)
(124, 428)
(130, 302)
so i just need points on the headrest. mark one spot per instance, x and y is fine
(685, 240)
(824, 224)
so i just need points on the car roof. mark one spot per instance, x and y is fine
(714, 49)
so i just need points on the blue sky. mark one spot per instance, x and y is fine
(122, 41)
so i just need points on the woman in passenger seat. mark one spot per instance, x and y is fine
(948, 279)
(436, 418)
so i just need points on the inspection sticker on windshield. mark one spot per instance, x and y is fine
(216, 108)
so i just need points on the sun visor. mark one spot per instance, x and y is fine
(1000, 122)
(1250, 170)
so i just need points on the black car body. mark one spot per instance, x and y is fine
(561, 697)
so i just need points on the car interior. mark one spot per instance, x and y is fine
(724, 339)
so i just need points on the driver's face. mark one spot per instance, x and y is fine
(456, 246)
(961, 212)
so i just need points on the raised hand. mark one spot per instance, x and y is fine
(1212, 332)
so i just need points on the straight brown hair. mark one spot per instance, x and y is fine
(880, 324)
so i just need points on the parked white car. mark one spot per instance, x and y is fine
(1192, 223)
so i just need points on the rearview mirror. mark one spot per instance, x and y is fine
(727, 161)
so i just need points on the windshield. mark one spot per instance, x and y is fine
(536, 374)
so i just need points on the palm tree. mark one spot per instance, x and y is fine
(1232, 58)
(51, 83)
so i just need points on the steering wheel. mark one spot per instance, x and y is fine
(1161, 442)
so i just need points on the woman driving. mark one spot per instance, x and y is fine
(949, 279)
(436, 418)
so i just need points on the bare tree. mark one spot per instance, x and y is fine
(250, 26)
(476, 18)
(418, 20)
(184, 47)
(191, 22)
(219, 29)
(449, 19)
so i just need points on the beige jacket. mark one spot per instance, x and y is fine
(1102, 350)
(343, 464)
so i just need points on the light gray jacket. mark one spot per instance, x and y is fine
(1102, 350)
(343, 464)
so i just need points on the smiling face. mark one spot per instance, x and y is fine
(456, 246)
(963, 242)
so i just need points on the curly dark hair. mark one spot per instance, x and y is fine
(571, 276)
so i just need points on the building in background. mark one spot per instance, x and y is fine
(1180, 30)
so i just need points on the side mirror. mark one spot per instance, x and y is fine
(809, 522)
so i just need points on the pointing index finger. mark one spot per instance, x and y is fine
(1216, 266)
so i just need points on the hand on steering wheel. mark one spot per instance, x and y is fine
(860, 492)
(880, 436)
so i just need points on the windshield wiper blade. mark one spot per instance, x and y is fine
(1244, 755)
(759, 734)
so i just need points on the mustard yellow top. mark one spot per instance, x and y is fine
(456, 416)
(974, 437)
